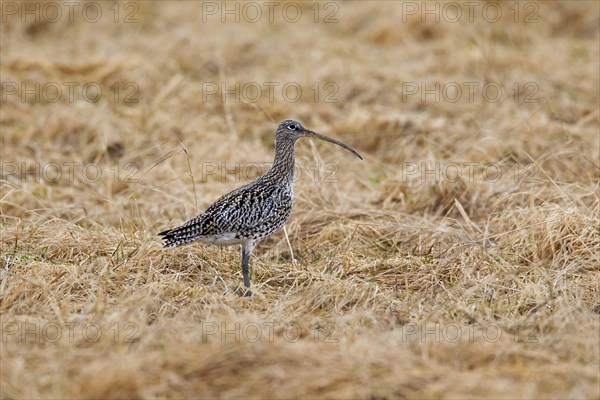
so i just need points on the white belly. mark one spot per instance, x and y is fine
(222, 239)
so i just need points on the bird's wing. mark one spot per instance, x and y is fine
(241, 211)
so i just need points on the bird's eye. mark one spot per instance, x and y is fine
(292, 127)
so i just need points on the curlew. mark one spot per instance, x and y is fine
(253, 211)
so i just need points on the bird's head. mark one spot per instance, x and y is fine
(290, 130)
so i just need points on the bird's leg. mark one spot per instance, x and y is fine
(246, 271)
(246, 251)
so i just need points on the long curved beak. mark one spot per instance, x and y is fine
(330, 140)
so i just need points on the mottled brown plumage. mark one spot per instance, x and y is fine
(253, 211)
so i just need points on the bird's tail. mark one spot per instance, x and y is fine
(173, 237)
(179, 236)
(168, 238)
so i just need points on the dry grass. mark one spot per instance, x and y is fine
(386, 265)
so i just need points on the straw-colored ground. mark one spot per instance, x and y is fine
(400, 278)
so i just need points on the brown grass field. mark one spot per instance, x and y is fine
(459, 260)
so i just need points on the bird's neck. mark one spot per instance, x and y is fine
(282, 170)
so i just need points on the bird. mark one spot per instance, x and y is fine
(254, 211)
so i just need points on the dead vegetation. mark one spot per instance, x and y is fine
(400, 279)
